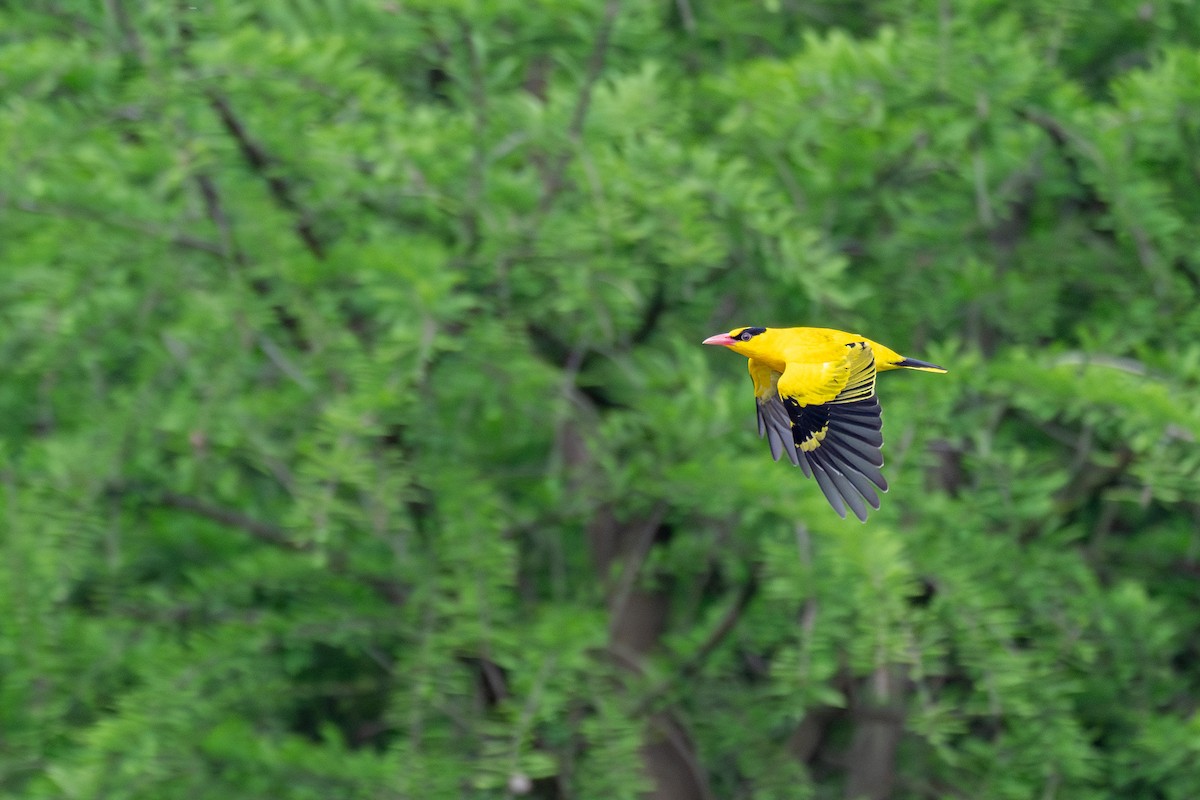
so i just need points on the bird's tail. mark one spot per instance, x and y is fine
(923, 366)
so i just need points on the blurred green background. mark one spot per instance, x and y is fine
(356, 440)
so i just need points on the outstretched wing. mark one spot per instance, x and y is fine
(827, 418)
(773, 420)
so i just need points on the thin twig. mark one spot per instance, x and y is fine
(132, 226)
(556, 175)
(279, 358)
(216, 214)
(263, 531)
(263, 163)
(237, 257)
(476, 180)
(389, 589)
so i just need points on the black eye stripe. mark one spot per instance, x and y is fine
(748, 333)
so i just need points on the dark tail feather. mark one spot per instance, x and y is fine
(912, 363)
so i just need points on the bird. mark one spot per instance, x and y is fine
(815, 392)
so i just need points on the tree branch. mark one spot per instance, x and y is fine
(634, 561)
(554, 173)
(391, 590)
(262, 163)
(693, 664)
(555, 179)
(476, 179)
(132, 44)
(263, 531)
(216, 214)
(233, 252)
(672, 763)
(132, 226)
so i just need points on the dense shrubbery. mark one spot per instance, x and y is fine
(357, 441)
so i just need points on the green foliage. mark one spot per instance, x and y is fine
(357, 441)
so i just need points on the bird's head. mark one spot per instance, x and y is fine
(747, 341)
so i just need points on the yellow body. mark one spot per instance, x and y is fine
(778, 347)
(815, 391)
(818, 359)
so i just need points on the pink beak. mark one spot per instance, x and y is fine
(723, 339)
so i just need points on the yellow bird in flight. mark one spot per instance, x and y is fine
(815, 389)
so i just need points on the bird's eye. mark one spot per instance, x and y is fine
(746, 336)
